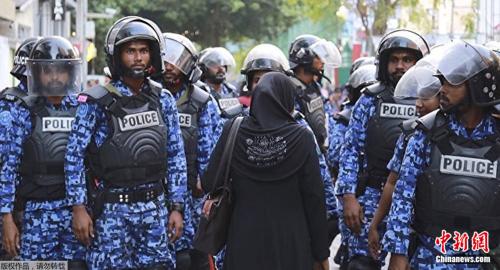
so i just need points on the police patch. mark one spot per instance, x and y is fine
(225, 103)
(315, 104)
(139, 120)
(185, 120)
(399, 111)
(6, 119)
(467, 166)
(57, 124)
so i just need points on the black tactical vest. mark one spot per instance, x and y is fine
(134, 152)
(383, 129)
(311, 105)
(189, 106)
(42, 163)
(460, 190)
(229, 104)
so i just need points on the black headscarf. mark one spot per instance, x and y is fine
(270, 145)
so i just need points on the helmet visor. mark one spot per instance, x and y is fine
(363, 75)
(327, 52)
(177, 55)
(265, 57)
(217, 57)
(417, 82)
(54, 77)
(462, 61)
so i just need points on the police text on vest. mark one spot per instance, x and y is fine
(225, 103)
(400, 111)
(57, 124)
(139, 120)
(315, 104)
(467, 166)
(185, 120)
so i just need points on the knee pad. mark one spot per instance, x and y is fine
(199, 260)
(77, 265)
(359, 262)
(183, 260)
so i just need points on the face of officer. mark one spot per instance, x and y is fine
(217, 74)
(451, 95)
(256, 77)
(172, 75)
(54, 78)
(317, 64)
(135, 58)
(399, 62)
(427, 105)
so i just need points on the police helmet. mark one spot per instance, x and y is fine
(359, 79)
(361, 62)
(263, 57)
(54, 68)
(398, 39)
(20, 56)
(181, 52)
(128, 29)
(305, 48)
(215, 58)
(475, 65)
(418, 82)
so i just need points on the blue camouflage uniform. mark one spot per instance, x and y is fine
(394, 164)
(336, 135)
(6, 122)
(127, 235)
(417, 158)
(354, 145)
(47, 232)
(209, 129)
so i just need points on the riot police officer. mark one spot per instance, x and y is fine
(418, 86)
(34, 172)
(199, 119)
(128, 134)
(438, 200)
(215, 64)
(309, 56)
(370, 139)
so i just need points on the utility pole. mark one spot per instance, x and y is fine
(81, 21)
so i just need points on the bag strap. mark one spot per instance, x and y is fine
(227, 155)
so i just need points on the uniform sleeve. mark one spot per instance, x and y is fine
(396, 239)
(336, 141)
(395, 163)
(313, 198)
(176, 181)
(206, 138)
(217, 122)
(354, 144)
(80, 136)
(18, 128)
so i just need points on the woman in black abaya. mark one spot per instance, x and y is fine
(279, 220)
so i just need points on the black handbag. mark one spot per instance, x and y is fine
(212, 232)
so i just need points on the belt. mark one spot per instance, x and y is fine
(129, 197)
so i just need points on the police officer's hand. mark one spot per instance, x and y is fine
(175, 226)
(10, 235)
(398, 262)
(323, 265)
(373, 242)
(353, 213)
(83, 228)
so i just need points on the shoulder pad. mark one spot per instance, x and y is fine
(203, 86)
(432, 119)
(408, 125)
(233, 111)
(97, 92)
(155, 85)
(230, 86)
(12, 94)
(297, 115)
(298, 83)
(199, 95)
(343, 116)
(374, 89)
(30, 101)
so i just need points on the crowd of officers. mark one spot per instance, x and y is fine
(109, 177)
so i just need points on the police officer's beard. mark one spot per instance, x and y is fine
(54, 88)
(316, 72)
(172, 82)
(217, 78)
(134, 72)
(465, 103)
